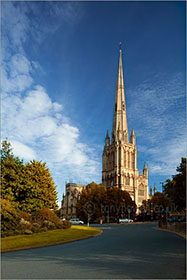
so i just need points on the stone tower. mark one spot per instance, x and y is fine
(120, 155)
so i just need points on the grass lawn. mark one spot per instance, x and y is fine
(50, 237)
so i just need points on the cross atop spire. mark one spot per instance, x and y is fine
(120, 44)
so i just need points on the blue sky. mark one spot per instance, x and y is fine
(59, 72)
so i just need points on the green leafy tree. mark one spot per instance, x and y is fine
(118, 202)
(28, 187)
(161, 200)
(11, 174)
(89, 204)
(38, 190)
(98, 202)
(10, 218)
(175, 189)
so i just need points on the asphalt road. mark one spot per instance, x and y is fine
(122, 252)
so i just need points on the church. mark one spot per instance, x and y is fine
(119, 160)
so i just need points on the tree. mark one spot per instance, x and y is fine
(160, 200)
(28, 187)
(10, 218)
(11, 173)
(89, 206)
(175, 189)
(118, 202)
(98, 202)
(38, 190)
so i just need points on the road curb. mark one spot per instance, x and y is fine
(165, 229)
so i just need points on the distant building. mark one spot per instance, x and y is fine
(120, 155)
(68, 206)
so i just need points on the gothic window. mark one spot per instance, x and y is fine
(140, 199)
(112, 157)
(125, 158)
(141, 192)
(128, 180)
(132, 162)
(128, 160)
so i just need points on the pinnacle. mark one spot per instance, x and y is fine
(132, 133)
(145, 165)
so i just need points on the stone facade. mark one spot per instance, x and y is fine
(119, 155)
(68, 206)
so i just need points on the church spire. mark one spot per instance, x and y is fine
(120, 117)
(133, 139)
(107, 139)
(145, 170)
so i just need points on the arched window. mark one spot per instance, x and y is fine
(141, 190)
(125, 158)
(128, 180)
(132, 161)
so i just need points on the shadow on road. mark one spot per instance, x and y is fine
(133, 251)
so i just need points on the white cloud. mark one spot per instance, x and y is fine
(156, 102)
(165, 157)
(23, 151)
(34, 124)
(19, 64)
(17, 83)
(160, 125)
(15, 25)
(35, 132)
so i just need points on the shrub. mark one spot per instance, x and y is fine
(58, 212)
(27, 231)
(16, 232)
(45, 214)
(49, 224)
(24, 222)
(35, 227)
(64, 224)
(25, 225)
(4, 234)
(43, 229)
(26, 216)
(35, 230)
(10, 218)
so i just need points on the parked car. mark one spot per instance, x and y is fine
(138, 219)
(182, 219)
(76, 221)
(173, 219)
(125, 221)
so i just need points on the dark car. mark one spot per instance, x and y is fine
(182, 219)
(173, 219)
(138, 219)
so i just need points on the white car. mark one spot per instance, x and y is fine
(125, 221)
(76, 221)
